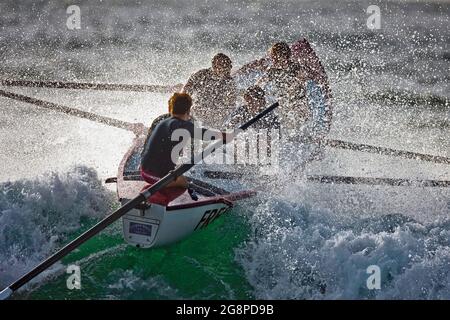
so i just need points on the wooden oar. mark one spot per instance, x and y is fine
(339, 144)
(226, 175)
(93, 86)
(143, 196)
(73, 112)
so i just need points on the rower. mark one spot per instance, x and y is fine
(255, 102)
(214, 91)
(261, 137)
(155, 122)
(285, 81)
(157, 159)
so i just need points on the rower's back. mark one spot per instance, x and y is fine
(157, 154)
(213, 97)
(214, 92)
(287, 86)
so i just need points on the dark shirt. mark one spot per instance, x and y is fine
(153, 126)
(156, 157)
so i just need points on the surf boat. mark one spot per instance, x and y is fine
(172, 214)
(177, 215)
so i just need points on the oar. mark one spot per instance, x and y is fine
(93, 86)
(386, 151)
(171, 176)
(72, 111)
(225, 175)
(396, 182)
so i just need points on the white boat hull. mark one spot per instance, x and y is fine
(156, 226)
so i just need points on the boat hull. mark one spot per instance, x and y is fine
(153, 225)
(157, 226)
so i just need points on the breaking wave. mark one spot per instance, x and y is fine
(37, 215)
(300, 253)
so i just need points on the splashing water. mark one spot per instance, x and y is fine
(298, 252)
(390, 88)
(37, 215)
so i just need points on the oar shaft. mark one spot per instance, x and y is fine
(395, 182)
(385, 151)
(259, 116)
(92, 86)
(77, 242)
(91, 232)
(68, 110)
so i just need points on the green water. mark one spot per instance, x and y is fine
(201, 267)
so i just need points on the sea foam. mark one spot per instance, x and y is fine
(298, 252)
(37, 215)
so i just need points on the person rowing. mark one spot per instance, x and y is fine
(255, 102)
(285, 81)
(159, 157)
(284, 78)
(214, 91)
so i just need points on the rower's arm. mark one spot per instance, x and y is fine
(258, 65)
(194, 80)
(263, 82)
(231, 96)
(188, 87)
(230, 121)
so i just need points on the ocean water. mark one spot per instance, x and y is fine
(295, 240)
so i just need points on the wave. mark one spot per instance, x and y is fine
(301, 253)
(36, 216)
